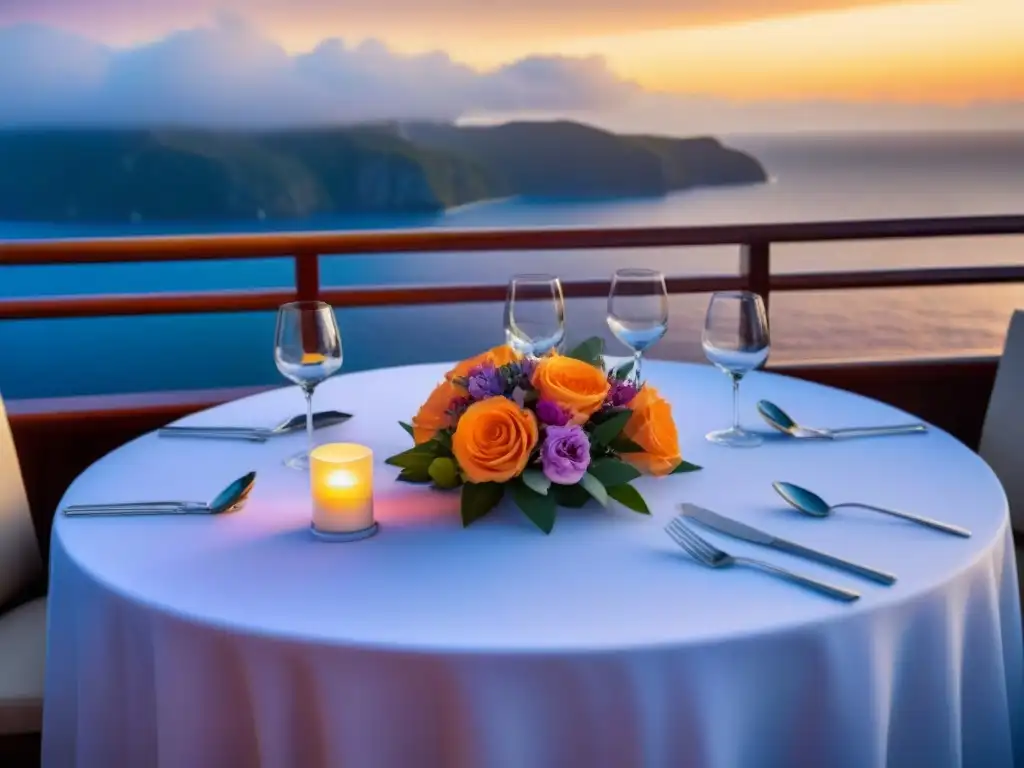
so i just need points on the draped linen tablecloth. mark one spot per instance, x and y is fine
(239, 640)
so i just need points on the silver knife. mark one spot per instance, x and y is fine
(739, 530)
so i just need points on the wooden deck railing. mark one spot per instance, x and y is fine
(58, 438)
(755, 241)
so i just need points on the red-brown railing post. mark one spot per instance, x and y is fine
(307, 276)
(307, 288)
(756, 268)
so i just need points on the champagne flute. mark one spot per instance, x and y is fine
(736, 341)
(638, 311)
(534, 314)
(307, 350)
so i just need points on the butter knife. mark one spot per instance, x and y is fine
(739, 530)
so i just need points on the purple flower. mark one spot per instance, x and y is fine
(621, 393)
(484, 381)
(565, 454)
(552, 414)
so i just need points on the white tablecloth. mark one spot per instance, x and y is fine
(240, 641)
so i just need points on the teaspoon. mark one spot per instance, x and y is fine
(782, 421)
(228, 500)
(812, 504)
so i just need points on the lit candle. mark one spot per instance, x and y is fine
(341, 479)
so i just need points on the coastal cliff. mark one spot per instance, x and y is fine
(109, 176)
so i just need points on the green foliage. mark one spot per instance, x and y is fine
(536, 481)
(540, 508)
(478, 499)
(605, 432)
(684, 466)
(629, 497)
(406, 427)
(590, 351)
(622, 372)
(593, 486)
(611, 471)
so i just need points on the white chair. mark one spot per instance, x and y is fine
(1002, 436)
(23, 628)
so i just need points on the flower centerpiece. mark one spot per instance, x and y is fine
(558, 431)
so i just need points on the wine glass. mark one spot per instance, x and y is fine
(638, 311)
(736, 341)
(534, 314)
(307, 350)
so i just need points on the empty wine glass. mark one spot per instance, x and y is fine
(307, 350)
(638, 311)
(534, 314)
(736, 341)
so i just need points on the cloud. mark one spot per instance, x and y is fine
(227, 73)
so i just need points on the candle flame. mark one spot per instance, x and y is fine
(342, 479)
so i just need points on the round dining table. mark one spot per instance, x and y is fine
(236, 640)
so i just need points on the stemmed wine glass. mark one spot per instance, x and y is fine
(638, 311)
(307, 350)
(736, 341)
(534, 314)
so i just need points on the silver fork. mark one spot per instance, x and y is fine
(707, 554)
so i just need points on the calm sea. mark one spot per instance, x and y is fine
(814, 178)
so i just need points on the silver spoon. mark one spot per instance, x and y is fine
(780, 420)
(228, 500)
(812, 504)
(257, 434)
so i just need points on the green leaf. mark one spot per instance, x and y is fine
(478, 499)
(590, 351)
(536, 481)
(622, 444)
(630, 497)
(414, 475)
(572, 496)
(444, 473)
(609, 429)
(540, 508)
(443, 440)
(593, 486)
(612, 472)
(685, 466)
(623, 371)
(419, 455)
(406, 427)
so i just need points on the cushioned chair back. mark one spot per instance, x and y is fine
(1002, 437)
(20, 562)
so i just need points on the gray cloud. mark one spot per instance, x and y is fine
(227, 73)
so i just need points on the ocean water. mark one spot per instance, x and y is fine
(813, 178)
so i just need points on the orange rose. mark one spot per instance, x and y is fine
(578, 387)
(652, 428)
(494, 440)
(433, 415)
(498, 356)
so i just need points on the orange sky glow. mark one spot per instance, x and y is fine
(950, 52)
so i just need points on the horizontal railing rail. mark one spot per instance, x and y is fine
(755, 241)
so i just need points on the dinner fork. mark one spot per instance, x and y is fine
(707, 554)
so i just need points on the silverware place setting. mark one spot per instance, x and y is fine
(811, 504)
(737, 530)
(295, 424)
(710, 556)
(231, 499)
(783, 422)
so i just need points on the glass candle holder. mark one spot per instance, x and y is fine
(341, 481)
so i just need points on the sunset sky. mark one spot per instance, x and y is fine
(937, 52)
